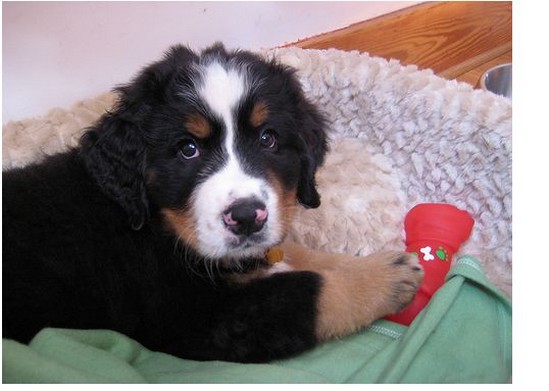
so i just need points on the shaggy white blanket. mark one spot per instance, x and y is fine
(399, 137)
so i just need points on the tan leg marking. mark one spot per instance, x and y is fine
(356, 290)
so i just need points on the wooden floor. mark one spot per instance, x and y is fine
(458, 40)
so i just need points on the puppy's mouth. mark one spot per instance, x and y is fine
(245, 242)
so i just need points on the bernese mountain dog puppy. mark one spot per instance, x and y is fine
(168, 222)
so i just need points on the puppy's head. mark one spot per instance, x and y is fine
(221, 144)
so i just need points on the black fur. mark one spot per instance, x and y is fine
(85, 244)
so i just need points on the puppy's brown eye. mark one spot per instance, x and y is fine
(267, 139)
(188, 149)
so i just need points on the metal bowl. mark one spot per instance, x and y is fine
(498, 80)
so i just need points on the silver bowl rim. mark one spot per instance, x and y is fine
(485, 74)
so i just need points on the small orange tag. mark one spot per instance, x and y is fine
(274, 255)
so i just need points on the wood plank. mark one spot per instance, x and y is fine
(473, 76)
(474, 62)
(436, 35)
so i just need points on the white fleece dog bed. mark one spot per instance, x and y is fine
(399, 137)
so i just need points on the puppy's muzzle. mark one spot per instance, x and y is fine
(245, 216)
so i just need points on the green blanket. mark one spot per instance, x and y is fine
(463, 336)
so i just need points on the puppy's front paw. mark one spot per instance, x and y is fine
(403, 274)
(361, 290)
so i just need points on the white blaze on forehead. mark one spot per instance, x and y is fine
(222, 89)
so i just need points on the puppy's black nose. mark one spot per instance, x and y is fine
(245, 216)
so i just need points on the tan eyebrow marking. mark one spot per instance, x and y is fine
(259, 114)
(198, 126)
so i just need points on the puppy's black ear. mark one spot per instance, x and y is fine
(114, 154)
(114, 150)
(312, 133)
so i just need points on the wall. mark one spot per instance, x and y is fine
(55, 53)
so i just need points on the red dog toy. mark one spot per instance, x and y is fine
(434, 232)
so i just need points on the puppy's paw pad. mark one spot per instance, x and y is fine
(406, 279)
